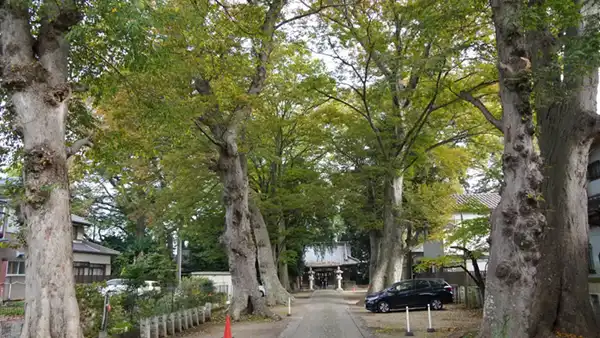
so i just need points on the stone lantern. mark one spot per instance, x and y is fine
(311, 278)
(338, 273)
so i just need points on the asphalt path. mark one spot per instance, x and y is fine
(327, 315)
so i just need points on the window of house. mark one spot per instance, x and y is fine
(593, 171)
(80, 270)
(88, 273)
(15, 268)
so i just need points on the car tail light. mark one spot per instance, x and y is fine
(448, 288)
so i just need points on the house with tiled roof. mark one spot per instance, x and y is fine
(91, 261)
(465, 206)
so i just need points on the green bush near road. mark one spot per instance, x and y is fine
(91, 305)
(129, 307)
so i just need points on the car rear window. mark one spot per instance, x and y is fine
(438, 283)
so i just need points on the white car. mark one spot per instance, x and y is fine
(116, 286)
(149, 285)
(262, 290)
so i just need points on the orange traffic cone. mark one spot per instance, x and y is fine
(227, 328)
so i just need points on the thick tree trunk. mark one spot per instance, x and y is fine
(390, 262)
(538, 282)
(170, 243)
(566, 133)
(140, 227)
(564, 269)
(275, 292)
(284, 274)
(36, 80)
(408, 257)
(408, 264)
(517, 221)
(282, 267)
(374, 251)
(238, 237)
(565, 139)
(52, 309)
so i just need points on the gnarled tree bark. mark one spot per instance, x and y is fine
(231, 166)
(276, 293)
(238, 237)
(568, 123)
(34, 72)
(537, 281)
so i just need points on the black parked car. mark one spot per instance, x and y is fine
(413, 293)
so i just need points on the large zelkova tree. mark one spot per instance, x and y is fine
(400, 67)
(210, 60)
(547, 64)
(286, 146)
(429, 185)
(225, 100)
(35, 77)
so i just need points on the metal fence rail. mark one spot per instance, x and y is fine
(12, 291)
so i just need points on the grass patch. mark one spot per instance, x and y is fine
(12, 311)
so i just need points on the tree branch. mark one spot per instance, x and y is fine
(414, 132)
(377, 58)
(307, 13)
(467, 96)
(459, 137)
(202, 86)
(478, 277)
(16, 45)
(458, 97)
(207, 135)
(263, 51)
(52, 47)
(77, 145)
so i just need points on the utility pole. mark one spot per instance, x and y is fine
(179, 254)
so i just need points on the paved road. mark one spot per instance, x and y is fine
(325, 316)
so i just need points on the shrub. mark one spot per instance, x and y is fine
(197, 291)
(129, 307)
(91, 307)
(91, 304)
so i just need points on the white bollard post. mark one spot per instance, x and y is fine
(289, 306)
(408, 331)
(430, 328)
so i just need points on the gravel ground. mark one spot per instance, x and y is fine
(454, 321)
